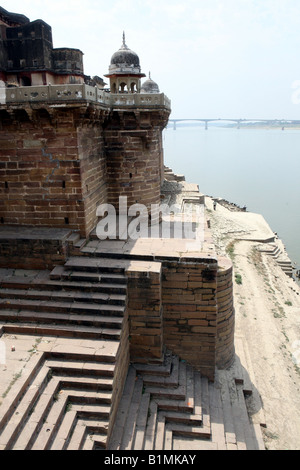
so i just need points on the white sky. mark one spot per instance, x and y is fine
(212, 58)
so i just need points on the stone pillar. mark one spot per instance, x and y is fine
(145, 312)
(190, 312)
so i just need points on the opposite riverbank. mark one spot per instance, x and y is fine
(267, 306)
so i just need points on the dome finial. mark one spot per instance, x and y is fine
(124, 44)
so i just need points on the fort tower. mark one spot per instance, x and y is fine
(68, 145)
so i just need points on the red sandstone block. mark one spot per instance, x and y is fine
(203, 329)
(197, 322)
(145, 340)
(180, 308)
(11, 165)
(145, 331)
(7, 143)
(141, 313)
(208, 297)
(196, 279)
(28, 154)
(174, 285)
(70, 141)
(176, 277)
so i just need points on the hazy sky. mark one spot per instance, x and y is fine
(212, 58)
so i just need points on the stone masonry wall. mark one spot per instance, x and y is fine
(190, 312)
(134, 157)
(226, 316)
(52, 171)
(57, 164)
(93, 172)
(22, 248)
(121, 369)
(40, 171)
(186, 306)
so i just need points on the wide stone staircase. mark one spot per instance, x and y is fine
(73, 300)
(173, 407)
(64, 399)
(67, 394)
(70, 392)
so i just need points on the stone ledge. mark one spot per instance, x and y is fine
(15, 232)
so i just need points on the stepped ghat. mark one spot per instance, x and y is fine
(106, 330)
(95, 371)
(88, 325)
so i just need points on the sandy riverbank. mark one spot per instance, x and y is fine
(267, 304)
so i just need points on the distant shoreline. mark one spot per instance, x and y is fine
(231, 206)
(263, 126)
(234, 126)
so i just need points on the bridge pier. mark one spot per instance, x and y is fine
(206, 125)
(174, 125)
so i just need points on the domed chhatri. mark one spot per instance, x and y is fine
(149, 86)
(125, 71)
(125, 57)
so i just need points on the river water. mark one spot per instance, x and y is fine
(256, 168)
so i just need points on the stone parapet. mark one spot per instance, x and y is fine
(140, 100)
(54, 93)
(81, 92)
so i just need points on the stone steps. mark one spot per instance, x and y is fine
(71, 331)
(96, 265)
(62, 296)
(63, 404)
(61, 307)
(62, 272)
(55, 282)
(81, 298)
(61, 318)
(68, 401)
(152, 401)
(279, 256)
(191, 414)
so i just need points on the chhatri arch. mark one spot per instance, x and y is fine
(125, 71)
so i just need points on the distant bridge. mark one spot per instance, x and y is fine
(238, 122)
